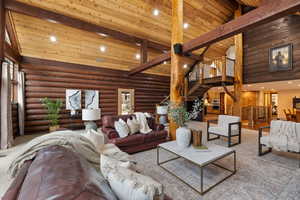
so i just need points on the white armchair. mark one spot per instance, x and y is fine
(283, 136)
(227, 126)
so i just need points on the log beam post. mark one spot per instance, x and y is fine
(2, 43)
(238, 69)
(177, 72)
(144, 51)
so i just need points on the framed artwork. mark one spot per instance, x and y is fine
(73, 99)
(91, 99)
(280, 58)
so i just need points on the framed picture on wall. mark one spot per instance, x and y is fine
(281, 58)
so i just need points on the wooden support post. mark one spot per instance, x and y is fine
(223, 63)
(238, 69)
(201, 80)
(144, 51)
(177, 72)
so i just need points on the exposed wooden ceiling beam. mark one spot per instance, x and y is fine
(11, 31)
(83, 25)
(265, 13)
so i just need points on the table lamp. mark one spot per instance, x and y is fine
(89, 116)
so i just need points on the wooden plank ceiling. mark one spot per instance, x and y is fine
(129, 16)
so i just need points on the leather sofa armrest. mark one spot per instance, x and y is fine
(12, 192)
(110, 132)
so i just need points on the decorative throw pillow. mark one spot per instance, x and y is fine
(122, 128)
(129, 185)
(97, 138)
(134, 125)
(107, 164)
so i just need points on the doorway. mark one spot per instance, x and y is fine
(125, 101)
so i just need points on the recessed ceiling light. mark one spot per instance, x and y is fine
(165, 62)
(186, 25)
(185, 66)
(102, 34)
(53, 38)
(102, 48)
(52, 21)
(137, 56)
(155, 12)
(138, 44)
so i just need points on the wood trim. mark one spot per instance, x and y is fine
(10, 27)
(261, 15)
(11, 53)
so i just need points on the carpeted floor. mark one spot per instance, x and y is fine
(275, 176)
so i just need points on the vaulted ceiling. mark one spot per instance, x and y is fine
(134, 17)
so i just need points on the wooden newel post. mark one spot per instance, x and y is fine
(177, 74)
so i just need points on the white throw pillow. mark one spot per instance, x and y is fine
(122, 128)
(97, 138)
(134, 125)
(129, 185)
(108, 164)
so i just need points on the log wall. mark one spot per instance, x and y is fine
(260, 39)
(50, 79)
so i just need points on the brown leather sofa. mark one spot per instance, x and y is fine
(137, 142)
(60, 174)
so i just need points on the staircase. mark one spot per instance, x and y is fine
(205, 76)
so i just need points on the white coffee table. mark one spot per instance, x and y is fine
(200, 158)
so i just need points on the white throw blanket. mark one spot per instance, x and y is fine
(283, 135)
(68, 139)
(141, 118)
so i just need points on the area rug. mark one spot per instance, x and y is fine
(275, 176)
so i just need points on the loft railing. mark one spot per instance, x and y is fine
(221, 67)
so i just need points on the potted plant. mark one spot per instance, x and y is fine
(197, 110)
(53, 108)
(180, 115)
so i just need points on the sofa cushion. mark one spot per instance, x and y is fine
(292, 146)
(129, 185)
(58, 173)
(108, 121)
(130, 140)
(156, 135)
(222, 131)
(122, 128)
(134, 125)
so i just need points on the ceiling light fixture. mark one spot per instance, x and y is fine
(185, 66)
(52, 21)
(155, 12)
(53, 38)
(165, 62)
(137, 56)
(102, 34)
(102, 48)
(186, 25)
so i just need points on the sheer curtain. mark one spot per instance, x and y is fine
(21, 99)
(6, 108)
